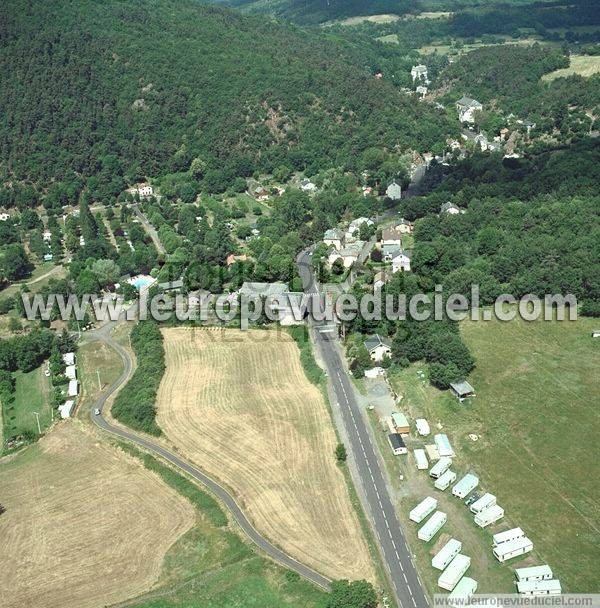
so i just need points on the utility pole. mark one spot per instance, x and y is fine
(37, 417)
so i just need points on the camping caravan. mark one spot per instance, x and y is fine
(449, 578)
(446, 554)
(443, 445)
(464, 590)
(534, 573)
(432, 526)
(512, 548)
(489, 516)
(440, 467)
(487, 500)
(423, 509)
(421, 459)
(397, 444)
(445, 480)
(465, 486)
(545, 587)
(400, 423)
(507, 535)
(422, 427)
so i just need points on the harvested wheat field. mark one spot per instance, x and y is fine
(239, 406)
(85, 525)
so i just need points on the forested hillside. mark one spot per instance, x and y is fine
(112, 92)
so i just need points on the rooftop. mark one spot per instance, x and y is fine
(462, 388)
(374, 341)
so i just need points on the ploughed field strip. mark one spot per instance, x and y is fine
(239, 405)
(85, 524)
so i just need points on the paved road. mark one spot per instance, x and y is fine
(103, 334)
(392, 543)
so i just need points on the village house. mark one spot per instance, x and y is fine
(421, 90)
(391, 236)
(379, 280)
(394, 191)
(232, 258)
(377, 347)
(145, 190)
(466, 109)
(260, 193)
(348, 254)
(419, 72)
(389, 251)
(405, 227)
(401, 261)
(307, 186)
(288, 308)
(449, 208)
(334, 238)
(354, 227)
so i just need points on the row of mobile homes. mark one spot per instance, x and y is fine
(506, 536)
(455, 570)
(440, 467)
(422, 427)
(400, 422)
(534, 573)
(397, 444)
(423, 509)
(443, 445)
(512, 548)
(546, 587)
(432, 526)
(445, 480)
(446, 554)
(489, 516)
(421, 459)
(464, 590)
(487, 500)
(465, 486)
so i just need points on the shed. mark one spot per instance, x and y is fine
(446, 554)
(507, 535)
(466, 485)
(443, 445)
(423, 509)
(456, 569)
(545, 587)
(445, 480)
(440, 467)
(400, 421)
(422, 427)
(487, 500)
(462, 390)
(397, 444)
(534, 573)
(432, 526)
(66, 408)
(489, 516)
(465, 589)
(512, 548)
(421, 459)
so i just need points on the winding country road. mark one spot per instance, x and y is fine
(282, 558)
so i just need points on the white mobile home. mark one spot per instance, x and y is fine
(546, 587)
(445, 480)
(69, 358)
(512, 548)
(446, 554)
(71, 372)
(489, 516)
(422, 427)
(432, 526)
(421, 459)
(66, 408)
(443, 445)
(465, 589)
(397, 444)
(534, 573)
(423, 509)
(449, 578)
(440, 467)
(487, 500)
(507, 535)
(73, 388)
(466, 485)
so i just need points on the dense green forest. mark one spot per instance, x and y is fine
(108, 93)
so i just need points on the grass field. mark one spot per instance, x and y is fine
(32, 394)
(239, 405)
(584, 65)
(85, 524)
(536, 415)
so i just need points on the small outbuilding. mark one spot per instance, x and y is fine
(422, 427)
(443, 445)
(400, 422)
(462, 390)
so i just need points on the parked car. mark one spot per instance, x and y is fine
(96, 412)
(472, 498)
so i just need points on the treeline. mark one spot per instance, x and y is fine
(120, 91)
(135, 405)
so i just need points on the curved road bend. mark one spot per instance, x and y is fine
(222, 494)
(394, 550)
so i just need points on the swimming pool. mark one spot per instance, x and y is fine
(141, 281)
